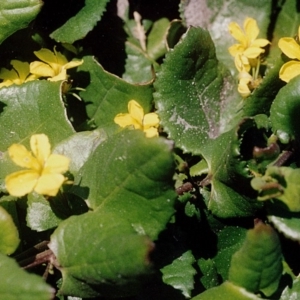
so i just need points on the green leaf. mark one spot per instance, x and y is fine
(281, 183)
(79, 147)
(156, 41)
(196, 97)
(228, 179)
(257, 266)
(30, 108)
(292, 293)
(285, 110)
(138, 67)
(230, 240)
(108, 95)
(9, 236)
(78, 26)
(17, 284)
(284, 221)
(210, 276)
(180, 273)
(100, 254)
(228, 291)
(16, 14)
(40, 216)
(132, 174)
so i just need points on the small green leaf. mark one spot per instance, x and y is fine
(257, 266)
(195, 96)
(78, 26)
(9, 236)
(284, 221)
(180, 273)
(132, 174)
(100, 254)
(156, 42)
(17, 284)
(30, 108)
(108, 95)
(285, 111)
(210, 276)
(138, 67)
(229, 291)
(40, 216)
(292, 293)
(16, 14)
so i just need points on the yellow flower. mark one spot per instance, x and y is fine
(18, 75)
(243, 86)
(54, 65)
(249, 46)
(44, 170)
(136, 118)
(292, 50)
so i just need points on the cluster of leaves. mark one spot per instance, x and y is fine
(120, 229)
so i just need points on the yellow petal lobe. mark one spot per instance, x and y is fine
(49, 184)
(21, 183)
(289, 70)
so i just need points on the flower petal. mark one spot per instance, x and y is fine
(236, 49)
(289, 70)
(6, 74)
(49, 184)
(60, 58)
(22, 69)
(242, 63)
(150, 120)
(21, 183)
(41, 148)
(236, 31)
(61, 75)
(41, 69)
(251, 29)
(56, 163)
(253, 52)
(22, 157)
(151, 132)
(260, 43)
(46, 56)
(73, 64)
(289, 47)
(125, 120)
(136, 111)
(243, 87)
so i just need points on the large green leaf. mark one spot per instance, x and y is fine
(9, 236)
(100, 254)
(257, 266)
(285, 111)
(30, 108)
(108, 95)
(132, 174)
(17, 14)
(79, 146)
(196, 97)
(78, 26)
(180, 273)
(17, 284)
